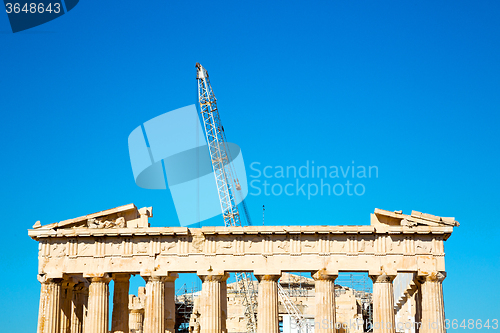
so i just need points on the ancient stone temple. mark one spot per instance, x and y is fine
(79, 257)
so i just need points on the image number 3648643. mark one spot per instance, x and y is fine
(26, 14)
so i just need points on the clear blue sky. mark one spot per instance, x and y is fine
(412, 87)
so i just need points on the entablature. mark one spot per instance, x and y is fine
(78, 246)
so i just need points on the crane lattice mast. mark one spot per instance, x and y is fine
(218, 150)
(226, 182)
(292, 310)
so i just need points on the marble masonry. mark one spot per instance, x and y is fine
(78, 258)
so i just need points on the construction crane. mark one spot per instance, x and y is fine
(226, 181)
(292, 310)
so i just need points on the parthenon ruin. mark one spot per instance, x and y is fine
(79, 257)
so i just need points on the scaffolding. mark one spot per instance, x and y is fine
(184, 305)
(293, 285)
(362, 287)
(297, 285)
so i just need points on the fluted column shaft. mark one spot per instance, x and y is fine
(324, 289)
(383, 304)
(136, 318)
(212, 313)
(267, 312)
(53, 310)
(66, 303)
(170, 303)
(97, 320)
(154, 309)
(42, 308)
(223, 305)
(119, 321)
(78, 306)
(50, 306)
(432, 306)
(85, 301)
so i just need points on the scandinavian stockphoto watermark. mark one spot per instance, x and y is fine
(169, 152)
(310, 180)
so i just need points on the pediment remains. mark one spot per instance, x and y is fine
(127, 216)
(397, 218)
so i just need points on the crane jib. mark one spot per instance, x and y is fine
(226, 181)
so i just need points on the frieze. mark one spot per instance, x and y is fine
(106, 244)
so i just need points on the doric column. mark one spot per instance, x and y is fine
(136, 308)
(267, 312)
(324, 289)
(78, 307)
(154, 309)
(97, 320)
(85, 301)
(66, 304)
(136, 318)
(432, 307)
(42, 307)
(383, 304)
(50, 306)
(170, 303)
(119, 321)
(223, 305)
(212, 303)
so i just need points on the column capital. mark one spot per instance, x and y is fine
(154, 278)
(170, 277)
(103, 278)
(382, 278)
(42, 278)
(214, 277)
(268, 277)
(81, 288)
(432, 276)
(68, 283)
(323, 274)
(119, 277)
